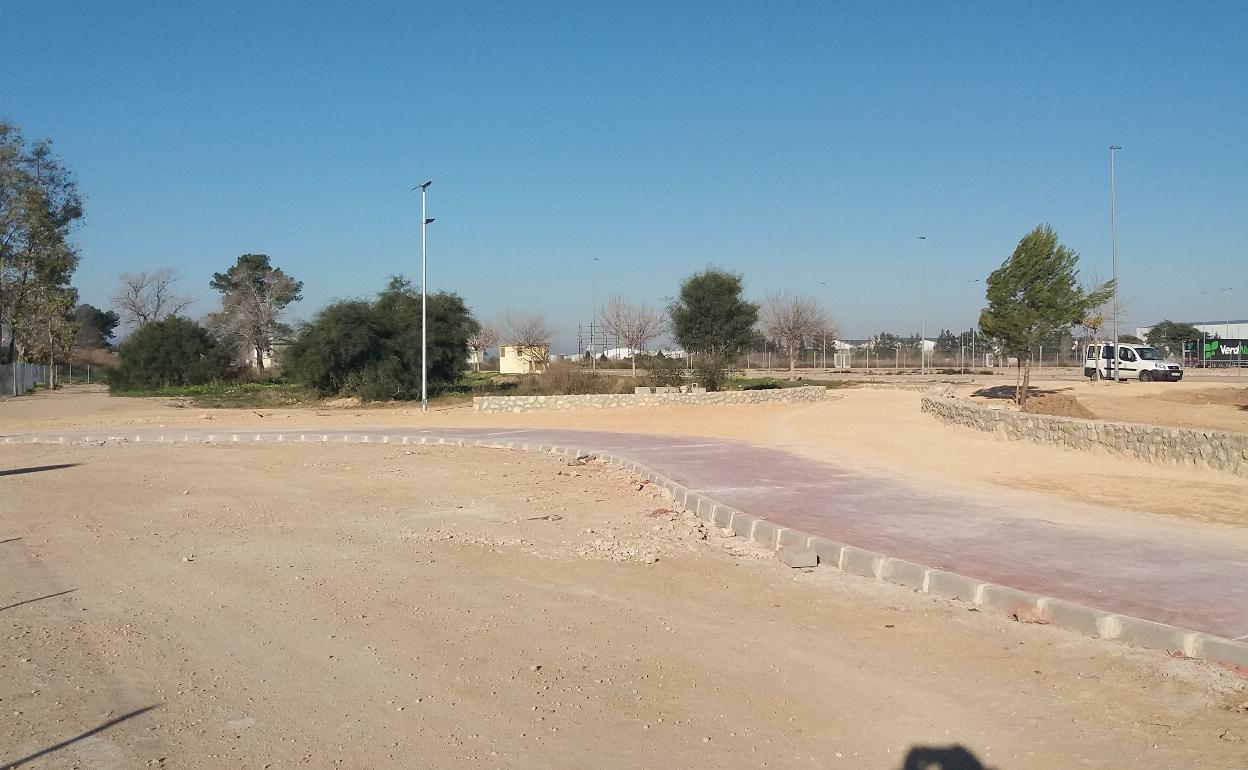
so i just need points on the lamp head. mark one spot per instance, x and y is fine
(423, 187)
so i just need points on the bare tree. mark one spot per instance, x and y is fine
(635, 325)
(146, 297)
(792, 320)
(482, 340)
(530, 334)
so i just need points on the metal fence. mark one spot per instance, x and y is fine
(20, 378)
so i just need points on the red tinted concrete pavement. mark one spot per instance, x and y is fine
(1192, 577)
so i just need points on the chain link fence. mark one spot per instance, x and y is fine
(21, 378)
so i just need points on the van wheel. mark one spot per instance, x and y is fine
(1146, 376)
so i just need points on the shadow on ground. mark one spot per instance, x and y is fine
(1007, 392)
(933, 758)
(37, 599)
(81, 736)
(36, 469)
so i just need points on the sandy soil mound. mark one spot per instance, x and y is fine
(1058, 405)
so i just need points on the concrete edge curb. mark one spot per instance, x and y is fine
(1024, 606)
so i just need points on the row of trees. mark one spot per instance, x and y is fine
(371, 348)
(711, 318)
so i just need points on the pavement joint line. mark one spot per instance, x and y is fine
(1023, 605)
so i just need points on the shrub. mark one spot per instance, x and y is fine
(665, 372)
(564, 380)
(168, 353)
(711, 371)
(372, 349)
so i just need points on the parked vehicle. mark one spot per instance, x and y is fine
(1136, 362)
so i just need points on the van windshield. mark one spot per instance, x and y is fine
(1150, 354)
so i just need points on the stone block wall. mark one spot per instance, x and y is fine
(633, 400)
(1219, 450)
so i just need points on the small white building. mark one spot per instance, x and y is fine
(523, 359)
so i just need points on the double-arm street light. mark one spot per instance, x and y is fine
(424, 306)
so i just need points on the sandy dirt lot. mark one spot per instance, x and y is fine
(1204, 404)
(876, 431)
(370, 606)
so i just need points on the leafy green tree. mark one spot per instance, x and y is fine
(169, 353)
(1170, 336)
(1034, 294)
(253, 296)
(947, 343)
(39, 206)
(95, 327)
(711, 319)
(372, 349)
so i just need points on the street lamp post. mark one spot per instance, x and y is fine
(923, 316)
(593, 315)
(1113, 220)
(825, 334)
(1226, 330)
(424, 304)
(973, 325)
(1226, 305)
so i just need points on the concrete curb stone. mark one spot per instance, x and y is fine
(857, 561)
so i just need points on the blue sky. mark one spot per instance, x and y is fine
(795, 143)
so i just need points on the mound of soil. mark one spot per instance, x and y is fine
(1058, 405)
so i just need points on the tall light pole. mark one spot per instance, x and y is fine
(974, 325)
(1113, 225)
(424, 305)
(1226, 305)
(593, 316)
(923, 317)
(825, 334)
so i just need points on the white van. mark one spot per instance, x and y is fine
(1138, 362)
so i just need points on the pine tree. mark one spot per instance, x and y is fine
(1033, 295)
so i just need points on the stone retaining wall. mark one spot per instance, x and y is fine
(1219, 450)
(889, 385)
(632, 400)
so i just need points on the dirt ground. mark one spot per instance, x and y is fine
(1204, 404)
(268, 606)
(875, 431)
